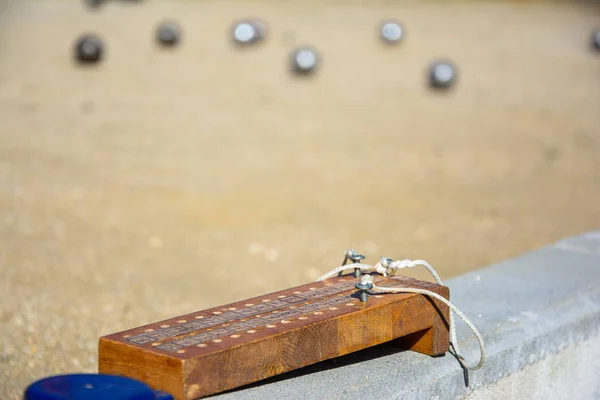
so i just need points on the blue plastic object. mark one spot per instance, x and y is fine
(92, 387)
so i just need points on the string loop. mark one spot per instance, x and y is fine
(389, 267)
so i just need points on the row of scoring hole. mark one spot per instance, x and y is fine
(251, 331)
(182, 321)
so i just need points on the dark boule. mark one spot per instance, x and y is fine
(93, 3)
(168, 33)
(89, 49)
(442, 75)
(596, 40)
(304, 61)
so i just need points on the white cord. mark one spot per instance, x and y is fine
(363, 268)
(387, 267)
(393, 266)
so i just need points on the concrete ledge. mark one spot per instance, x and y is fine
(540, 317)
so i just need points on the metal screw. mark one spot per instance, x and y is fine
(392, 32)
(364, 287)
(248, 32)
(356, 259)
(385, 263)
(442, 75)
(354, 256)
(304, 61)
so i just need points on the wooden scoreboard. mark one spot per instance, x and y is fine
(225, 347)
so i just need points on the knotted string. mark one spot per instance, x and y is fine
(388, 267)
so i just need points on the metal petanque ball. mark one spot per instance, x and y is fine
(168, 33)
(442, 75)
(391, 32)
(596, 40)
(89, 49)
(93, 3)
(248, 32)
(304, 61)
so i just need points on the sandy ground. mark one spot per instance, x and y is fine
(163, 182)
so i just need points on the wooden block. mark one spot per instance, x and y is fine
(222, 348)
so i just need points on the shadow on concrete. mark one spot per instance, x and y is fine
(371, 353)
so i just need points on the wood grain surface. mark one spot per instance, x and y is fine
(225, 347)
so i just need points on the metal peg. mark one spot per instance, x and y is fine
(364, 288)
(385, 263)
(356, 258)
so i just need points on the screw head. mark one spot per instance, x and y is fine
(89, 49)
(596, 40)
(442, 75)
(391, 32)
(304, 61)
(385, 261)
(354, 256)
(364, 286)
(168, 33)
(248, 32)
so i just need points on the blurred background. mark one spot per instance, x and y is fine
(161, 181)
